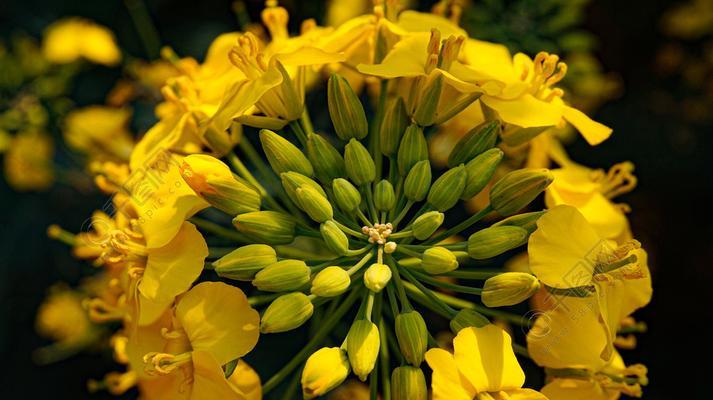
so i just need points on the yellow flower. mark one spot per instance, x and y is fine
(28, 161)
(70, 39)
(213, 325)
(568, 341)
(591, 191)
(325, 369)
(483, 366)
(529, 98)
(100, 132)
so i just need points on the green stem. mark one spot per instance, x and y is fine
(299, 132)
(447, 285)
(449, 246)
(348, 230)
(245, 173)
(429, 293)
(405, 304)
(408, 252)
(402, 214)
(370, 201)
(262, 299)
(353, 270)
(462, 226)
(474, 275)
(384, 362)
(144, 27)
(363, 217)
(401, 234)
(219, 230)
(323, 331)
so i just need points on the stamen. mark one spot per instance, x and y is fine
(618, 180)
(163, 363)
(100, 311)
(275, 19)
(247, 57)
(450, 50)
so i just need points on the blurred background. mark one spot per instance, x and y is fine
(650, 76)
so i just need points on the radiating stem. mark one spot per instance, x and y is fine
(219, 230)
(447, 285)
(462, 226)
(323, 331)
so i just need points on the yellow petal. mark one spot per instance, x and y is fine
(568, 389)
(447, 382)
(245, 380)
(525, 111)
(170, 271)
(406, 59)
(218, 319)
(485, 357)
(309, 55)
(163, 200)
(242, 95)
(491, 60)
(145, 339)
(591, 130)
(209, 381)
(414, 21)
(570, 335)
(521, 394)
(563, 248)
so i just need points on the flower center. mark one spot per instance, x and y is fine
(378, 233)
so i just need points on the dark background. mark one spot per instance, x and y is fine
(670, 215)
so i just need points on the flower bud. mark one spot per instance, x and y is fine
(412, 335)
(493, 241)
(314, 204)
(324, 370)
(509, 288)
(526, 221)
(345, 109)
(330, 282)
(518, 188)
(217, 139)
(466, 318)
(335, 239)
(286, 312)
(425, 113)
(291, 181)
(360, 166)
(384, 197)
(377, 276)
(418, 181)
(284, 156)
(244, 262)
(327, 162)
(269, 227)
(424, 226)
(282, 276)
(439, 260)
(475, 142)
(211, 179)
(447, 189)
(479, 171)
(413, 149)
(363, 347)
(347, 196)
(393, 126)
(514, 135)
(408, 383)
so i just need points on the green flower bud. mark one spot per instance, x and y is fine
(282, 276)
(363, 347)
(408, 383)
(514, 135)
(384, 197)
(282, 155)
(345, 109)
(475, 142)
(526, 221)
(466, 318)
(335, 239)
(447, 189)
(418, 181)
(330, 282)
(244, 262)
(439, 260)
(509, 288)
(314, 204)
(424, 226)
(479, 171)
(377, 276)
(360, 166)
(211, 179)
(286, 313)
(269, 227)
(518, 188)
(412, 335)
(425, 113)
(493, 241)
(292, 181)
(347, 196)
(413, 149)
(292, 101)
(393, 126)
(324, 370)
(327, 162)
